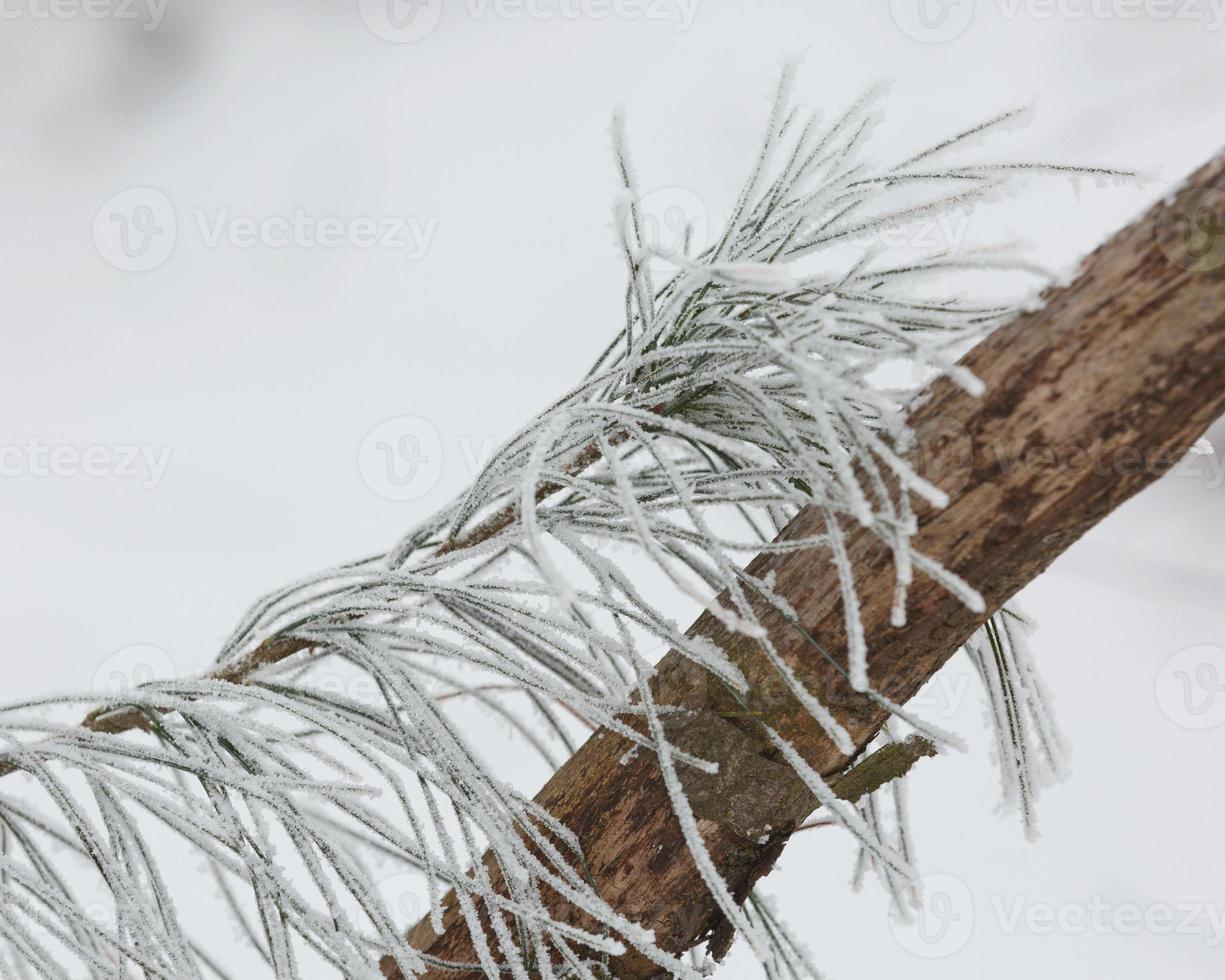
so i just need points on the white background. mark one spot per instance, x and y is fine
(262, 369)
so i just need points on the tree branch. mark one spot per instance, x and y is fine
(1087, 402)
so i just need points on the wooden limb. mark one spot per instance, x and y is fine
(1087, 402)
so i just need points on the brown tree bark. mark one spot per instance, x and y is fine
(1087, 402)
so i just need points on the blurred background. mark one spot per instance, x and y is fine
(246, 246)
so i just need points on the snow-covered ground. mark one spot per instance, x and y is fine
(466, 272)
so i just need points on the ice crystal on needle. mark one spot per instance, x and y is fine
(742, 387)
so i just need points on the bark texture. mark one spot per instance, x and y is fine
(1087, 401)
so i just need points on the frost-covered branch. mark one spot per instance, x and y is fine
(751, 407)
(1124, 364)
